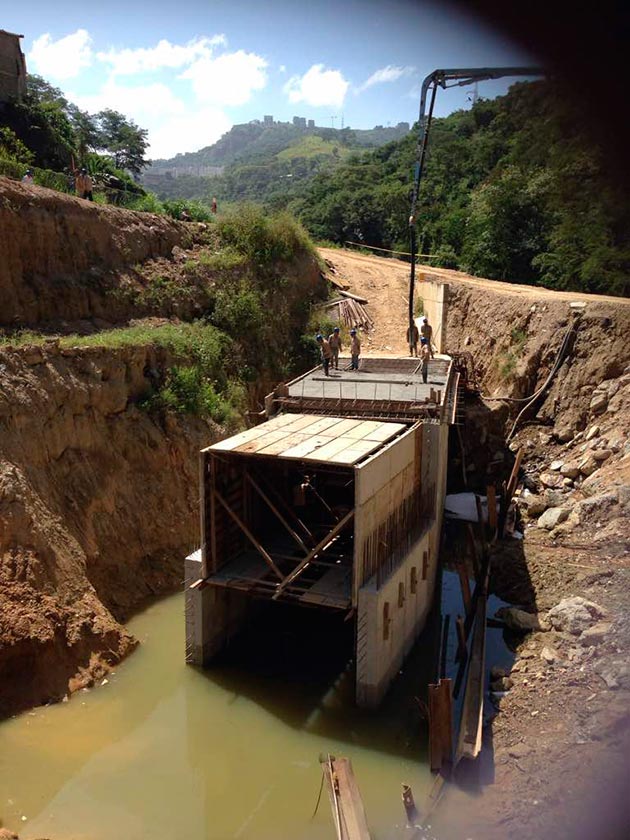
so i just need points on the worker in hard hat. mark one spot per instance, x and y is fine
(83, 184)
(412, 339)
(334, 340)
(355, 350)
(425, 355)
(426, 331)
(325, 350)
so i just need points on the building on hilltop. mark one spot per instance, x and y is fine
(403, 125)
(12, 67)
(311, 124)
(299, 122)
(268, 119)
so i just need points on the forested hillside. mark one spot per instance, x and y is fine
(515, 189)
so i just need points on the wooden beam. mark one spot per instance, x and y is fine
(275, 510)
(465, 586)
(511, 485)
(491, 496)
(266, 557)
(313, 553)
(345, 799)
(288, 510)
(440, 725)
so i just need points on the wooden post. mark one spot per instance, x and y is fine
(465, 585)
(462, 651)
(470, 536)
(409, 805)
(440, 725)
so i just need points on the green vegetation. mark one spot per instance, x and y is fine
(514, 189)
(262, 237)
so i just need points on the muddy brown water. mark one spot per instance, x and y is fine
(165, 750)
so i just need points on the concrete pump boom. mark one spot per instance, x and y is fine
(459, 77)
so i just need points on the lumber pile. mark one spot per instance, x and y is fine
(350, 312)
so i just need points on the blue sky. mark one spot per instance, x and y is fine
(188, 70)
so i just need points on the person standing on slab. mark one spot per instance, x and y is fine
(355, 350)
(334, 339)
(426, 331)
(412, 340)
(326, 352)
(425, 355)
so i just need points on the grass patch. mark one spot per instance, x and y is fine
(418, 306)
(519, 338)
(508, 365)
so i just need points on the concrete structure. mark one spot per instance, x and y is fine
(299, 122)
(335, 502)
(311, 124)
(435, 304)
(12, 67)
(268, 119)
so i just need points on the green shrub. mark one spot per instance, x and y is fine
(263, 238)
(226, 259)
(239, 312)
(148, 203)
(197, 211)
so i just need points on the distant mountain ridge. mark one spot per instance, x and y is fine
(250, 141)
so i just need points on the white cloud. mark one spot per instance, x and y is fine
(318, 87)
(282, 68)
(228, 80)
(162, 55)
(385, 74)
(173, 125)
(62, 59)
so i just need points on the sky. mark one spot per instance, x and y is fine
(187, 70)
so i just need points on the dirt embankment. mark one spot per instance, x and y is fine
(60, 254)
(97, 508)
(98, 498)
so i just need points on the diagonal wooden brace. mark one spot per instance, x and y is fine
(310, 556)
(266, 557)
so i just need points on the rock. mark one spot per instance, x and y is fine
(530, 483)
(575, 614)
(556, 465)
(587, 465)
(549, 479)
(615, 672)
(601, 454)
(519, 620)
(5, 834)
(567, 482)
(596, 634)
(497, 673)
(592, 433)
(554, 498)
(535, 505)
(502, 684)
(549, 654)
(599, 401)
(564, 434)
(552, 517)
(599, 506)
(519, 750)
(570, 469)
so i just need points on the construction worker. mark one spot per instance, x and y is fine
(412, 339)
(83, 185)
(426, 330)
(425, 355)
(27, 178)
(325, 350)
(355, 350)
(334, 339)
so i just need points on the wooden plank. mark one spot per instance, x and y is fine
(469, 743)
(275, 510)
(310, 446)
(279, 446)
(325, 453)
(440, 725)
(345, 799)
(262, 441)
(385, 431)
(358, 450)
(334, 585)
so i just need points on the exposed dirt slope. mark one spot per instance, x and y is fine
(58, 253)
(97, 509)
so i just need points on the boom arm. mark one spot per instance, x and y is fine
(441, 78)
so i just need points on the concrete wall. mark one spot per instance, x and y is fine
(434, 293)
(213, 615)
(390, 618)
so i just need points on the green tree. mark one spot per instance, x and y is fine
(123, 140)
